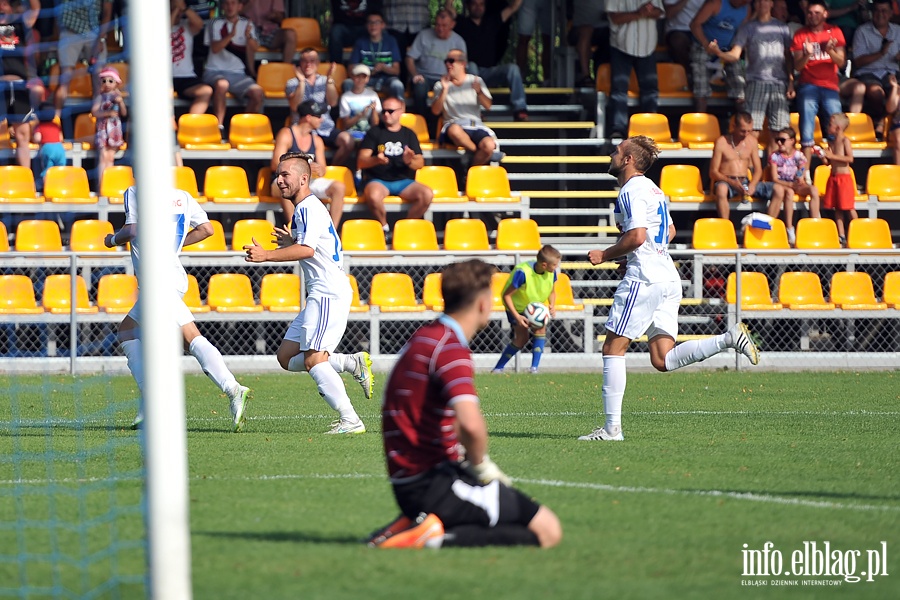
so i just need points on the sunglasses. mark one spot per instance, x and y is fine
(389, 111)
(783, 140)
(107, 80)
(450, 61)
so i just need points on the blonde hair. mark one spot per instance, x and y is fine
(643, 150)
(548, 253)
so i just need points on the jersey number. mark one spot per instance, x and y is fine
(337, 243)
(662, 236)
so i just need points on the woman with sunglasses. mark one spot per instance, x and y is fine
(788, 165)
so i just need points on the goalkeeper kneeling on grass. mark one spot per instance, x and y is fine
(530, 281)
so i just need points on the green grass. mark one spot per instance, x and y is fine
(711, 461)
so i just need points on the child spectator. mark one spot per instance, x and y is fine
(787, 166)
(49, 135)
(530, 281)
(109, 109)
(840, 193)
(359, 110)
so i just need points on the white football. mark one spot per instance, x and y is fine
(537, 314)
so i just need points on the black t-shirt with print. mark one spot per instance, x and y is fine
(392, 143)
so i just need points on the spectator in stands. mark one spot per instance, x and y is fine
(587, 16)
(818, 54)
(389, 156)
(679, 14)
(18, 94)
(892, 105)
(848, 15)
(348, 24)
(359, 109)
(734, 156)
(266, 16)
(109, 109)
(425, 63)
(766, 44)
(840, 192)
(876, 50)
(405, 19)
(714, 28)
(781, 11)
(301, 137)
(460, 97)
(787, 166)
(633, 36)
(83, 25)
(310, 85)
(479, 30)
(185, 25)
(534, 15)
(230, 66)
(378, 50)
(49, 135)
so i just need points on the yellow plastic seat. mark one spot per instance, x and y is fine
(817, 234)
(654, 126)
(432, 296)
(17, 185)
(565, 297)
(356, 306)
(264, 186)
(755, 294)
(88, 236)
(227, 185)
(214, 243)
(251, 131)
(116, 294)
(85, 131)
(604, 81)
(861, 132)
(394, 292)
(869, 234)
(892, 289)
(280, 292)
(883, 182)
(818, 138)
(854, 291)
(231, 292)
(518, 234)
(116, 179)
(339, 74)
(442, 181)
(309, 34)
(698, 131)
(200, 132)
(192, 297)
(767, 239)
(415, 235)
(247, 229)
(81, 85)
(17, 296)
(362, 234)
(498, 282)
(69, 185)
(672, 80)
(57, 296)
(186, 180)
(4, 238)
(420, 128)
(38, 236)
(802, 291)
(820, 179)
(488, 183)
(682, 183)
(273, 76)
(466, 234)
(714, 234)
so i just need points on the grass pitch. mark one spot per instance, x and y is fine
(711, 461)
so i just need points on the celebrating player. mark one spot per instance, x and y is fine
(431, 408)
(318, 329)
(649, 295)
(185, 211)
(530, 281)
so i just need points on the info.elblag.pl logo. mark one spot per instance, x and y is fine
(813, 564)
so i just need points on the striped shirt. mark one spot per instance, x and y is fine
(406, 15)
(636, 38)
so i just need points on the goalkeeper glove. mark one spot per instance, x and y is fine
(488, 471)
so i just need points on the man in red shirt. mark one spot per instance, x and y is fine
(819, 51)
(430, 413)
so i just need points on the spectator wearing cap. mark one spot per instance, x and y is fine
(378, 50)
(109, 109)
(301, 137)
(267, 15)
(360, 108)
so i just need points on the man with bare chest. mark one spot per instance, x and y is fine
(735, 156)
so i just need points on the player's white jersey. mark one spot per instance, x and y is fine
(186, 213)
(324, 271)
(641, 203)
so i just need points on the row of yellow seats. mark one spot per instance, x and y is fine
(800, 290)
(812, 234)
(411, 235)
(684, 183)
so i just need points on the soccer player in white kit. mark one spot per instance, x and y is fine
(186, 212)
(319, 327)
(647, 299)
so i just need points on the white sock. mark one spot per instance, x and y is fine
(613, 390)
(331, 387)
(342, 363)
(297, 364)
(688, 353)
(134, 354)
(213, 364)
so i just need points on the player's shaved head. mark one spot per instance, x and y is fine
(463, 282)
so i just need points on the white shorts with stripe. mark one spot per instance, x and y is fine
(321, 324)
(180, 311)
(650, 308)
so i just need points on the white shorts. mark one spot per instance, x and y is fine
(321, 324)
(650, 308)
(181, 312)
(319, 187)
